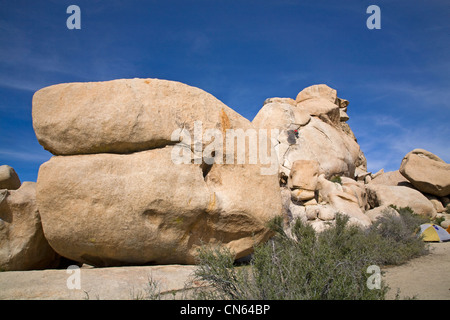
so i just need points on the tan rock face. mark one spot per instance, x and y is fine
(114, 194)
(22, 242)
(426, 172)
(9, 178)
(382, 195)
(302, 195)
(323, 109)
(313, 130)
(343, 200)
(356, 189)
(377, 212)
(282, 116)
(314, 145)
(318, 91)
(335, 152)
(392, 178)
(142, 208)
(123, 116)
(121, 283)
(304, 174)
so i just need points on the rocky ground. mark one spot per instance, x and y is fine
(116, 283)
(422, 278)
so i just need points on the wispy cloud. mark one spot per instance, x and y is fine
(387, 120)
(386, 140)
(424, 95)
(28, 156)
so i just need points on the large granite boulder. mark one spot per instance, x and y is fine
(400, 196)
(123, 116)
(427, 172)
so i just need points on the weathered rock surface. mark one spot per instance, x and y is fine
(342, 200)
(323, 109)
(436, 203)
(335, 152)
(374, 213)
(356, 189)
(119, 283)
(304, 175)
(281, 115)
(427, 172)
(134, 202)
(382, 195)
(22, 242)
(391, 178)
(142, 208)
(314, 145)
(312, 130)
(9, 178)
(318, 91)
(123, 116)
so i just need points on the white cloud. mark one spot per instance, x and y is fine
(385, 142)
(38, 156)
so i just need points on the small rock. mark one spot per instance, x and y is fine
(319, 225)
(436, 203)
(311, 202)
(326, 213)
(298, 212)
(312, 212)
(302, 195)
(9, 178)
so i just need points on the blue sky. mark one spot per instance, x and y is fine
(397, 79)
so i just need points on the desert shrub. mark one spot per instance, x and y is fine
(308, 266)
(438, 220)
(216, 267)
(304, 266)
(393, 238)
(336, 179)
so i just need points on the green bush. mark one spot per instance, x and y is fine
(393, 238)
(438, 220)
(310, 266)
(336, 179)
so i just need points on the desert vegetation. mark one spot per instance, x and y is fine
(302, 264)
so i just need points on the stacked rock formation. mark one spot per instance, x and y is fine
(422, 183)
(128, 185)
(112, 194)
(323, 171)
(315, 145)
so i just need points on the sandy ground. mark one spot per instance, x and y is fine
(425, 278)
